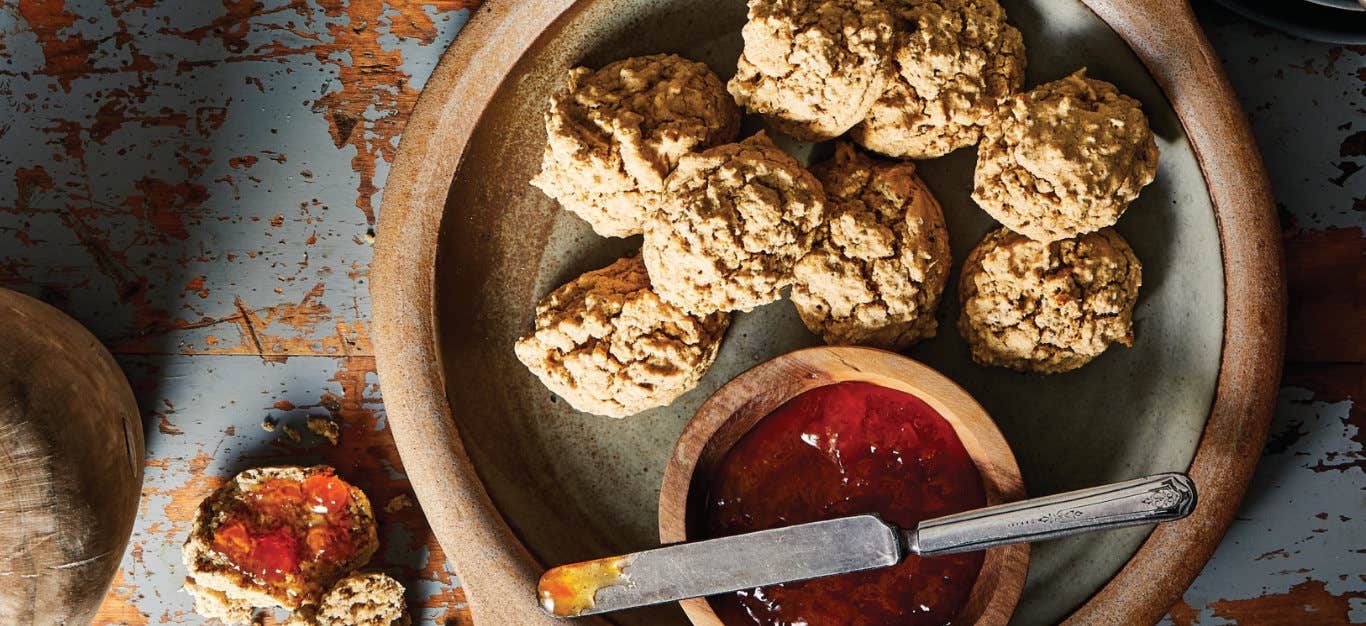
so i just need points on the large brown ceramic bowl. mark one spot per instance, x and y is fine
(513, 480)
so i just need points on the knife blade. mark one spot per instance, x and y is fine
(849, 544)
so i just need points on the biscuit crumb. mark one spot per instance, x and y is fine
(325, 427)
(292, 434)
(269, 423)
(398, 503)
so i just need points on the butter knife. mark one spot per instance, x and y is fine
(849, 544)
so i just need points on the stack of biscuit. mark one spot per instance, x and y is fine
(644, 146)
(1056, 285)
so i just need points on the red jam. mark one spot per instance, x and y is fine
(848, 449)
(280, 526)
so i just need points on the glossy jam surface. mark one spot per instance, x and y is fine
(280, 526)
(569, 590)
(847, 449)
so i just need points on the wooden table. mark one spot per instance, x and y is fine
(197, 182)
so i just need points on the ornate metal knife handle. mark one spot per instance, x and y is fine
(1159, 498)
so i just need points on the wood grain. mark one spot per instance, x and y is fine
(70, 465)
(738, 405)
(194, 183)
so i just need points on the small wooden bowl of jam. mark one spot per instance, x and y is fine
(834, 431)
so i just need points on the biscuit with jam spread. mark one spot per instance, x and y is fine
(275, 536)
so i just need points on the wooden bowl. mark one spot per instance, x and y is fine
(738, 405)
(71, 468)
(513, 481)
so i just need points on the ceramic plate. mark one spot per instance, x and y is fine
(573, 486)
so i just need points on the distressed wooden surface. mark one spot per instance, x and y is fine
(197, 183)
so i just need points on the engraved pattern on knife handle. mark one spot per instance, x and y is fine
(1163, 499)
(1160, 498)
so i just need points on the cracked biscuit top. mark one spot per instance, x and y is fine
(1047, 307)
(736, 219)
(812, 68)
(881, 259)
(956, 59)
(613, 135)
(1063, 159)
(609, 345)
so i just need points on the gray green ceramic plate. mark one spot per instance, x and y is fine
(573, 486)
(576, 486)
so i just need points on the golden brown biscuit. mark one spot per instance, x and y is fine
(613, 135)
(608, 344)
(736, 219)
(881, 259)
(368, 599)
(275, 536)
(956, 59)
(1065, 158)
(812, 68)
(1047, 307)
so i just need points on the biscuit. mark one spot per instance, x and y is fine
(368, 599)
(812, 68)
(956, 59)
(613, 135)
(1063, 159)
(275, 536)
(1047, 307)
(215, 604)
(736, 219)
(609, 345)
(881, 259)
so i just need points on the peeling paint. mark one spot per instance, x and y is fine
(197, 183)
